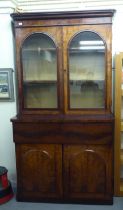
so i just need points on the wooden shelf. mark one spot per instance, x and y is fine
(87, 80)
(85, 49)
(34, 82)
(38, 49)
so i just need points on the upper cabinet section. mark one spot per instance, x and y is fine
(64, 62)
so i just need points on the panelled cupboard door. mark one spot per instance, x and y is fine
(87, 172)
(87, 68)
(39, 171)
(39, 58)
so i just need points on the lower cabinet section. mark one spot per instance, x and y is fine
(65, 173)
(69, 162)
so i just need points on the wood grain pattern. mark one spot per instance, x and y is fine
(105, 33)
(21, 36)
(82, 160)
(38, 176)
(64, 155)
(77, 155)
(62, 37)
(94, 133)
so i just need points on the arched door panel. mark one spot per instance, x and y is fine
(39, 63)
(86, 71)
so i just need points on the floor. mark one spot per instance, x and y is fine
(13, 205)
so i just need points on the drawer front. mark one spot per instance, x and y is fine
(97, 133)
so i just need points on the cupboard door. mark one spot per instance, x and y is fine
(39, 171)
(40, 69)
(87, 75)
(86, 71)
(88, 172)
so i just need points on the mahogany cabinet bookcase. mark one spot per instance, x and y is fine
(63, 131)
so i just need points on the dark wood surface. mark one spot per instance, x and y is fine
(39, 171)
(66, 162)
(96, 133)
(66, 14)
(87, 171)
(62, 37)
(64, 155)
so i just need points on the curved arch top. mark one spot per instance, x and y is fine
(87, 37)
(39, 39)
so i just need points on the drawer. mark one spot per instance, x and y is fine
(97, 133)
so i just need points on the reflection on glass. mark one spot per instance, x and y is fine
(87, 71)
(39, 72)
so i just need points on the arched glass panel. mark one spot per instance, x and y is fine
(39, 61)
(86, 71)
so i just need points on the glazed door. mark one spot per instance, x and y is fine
(40, 70)
(39, 171)
(87, 172)
(86, 69)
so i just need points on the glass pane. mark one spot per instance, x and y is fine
(39, 60)
(87, 71)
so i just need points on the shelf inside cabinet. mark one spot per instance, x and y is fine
(34, 82)
(85, 50)
(39, 49)
(88, 81)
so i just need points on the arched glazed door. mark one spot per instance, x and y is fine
(86, 71)
(39, 62)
